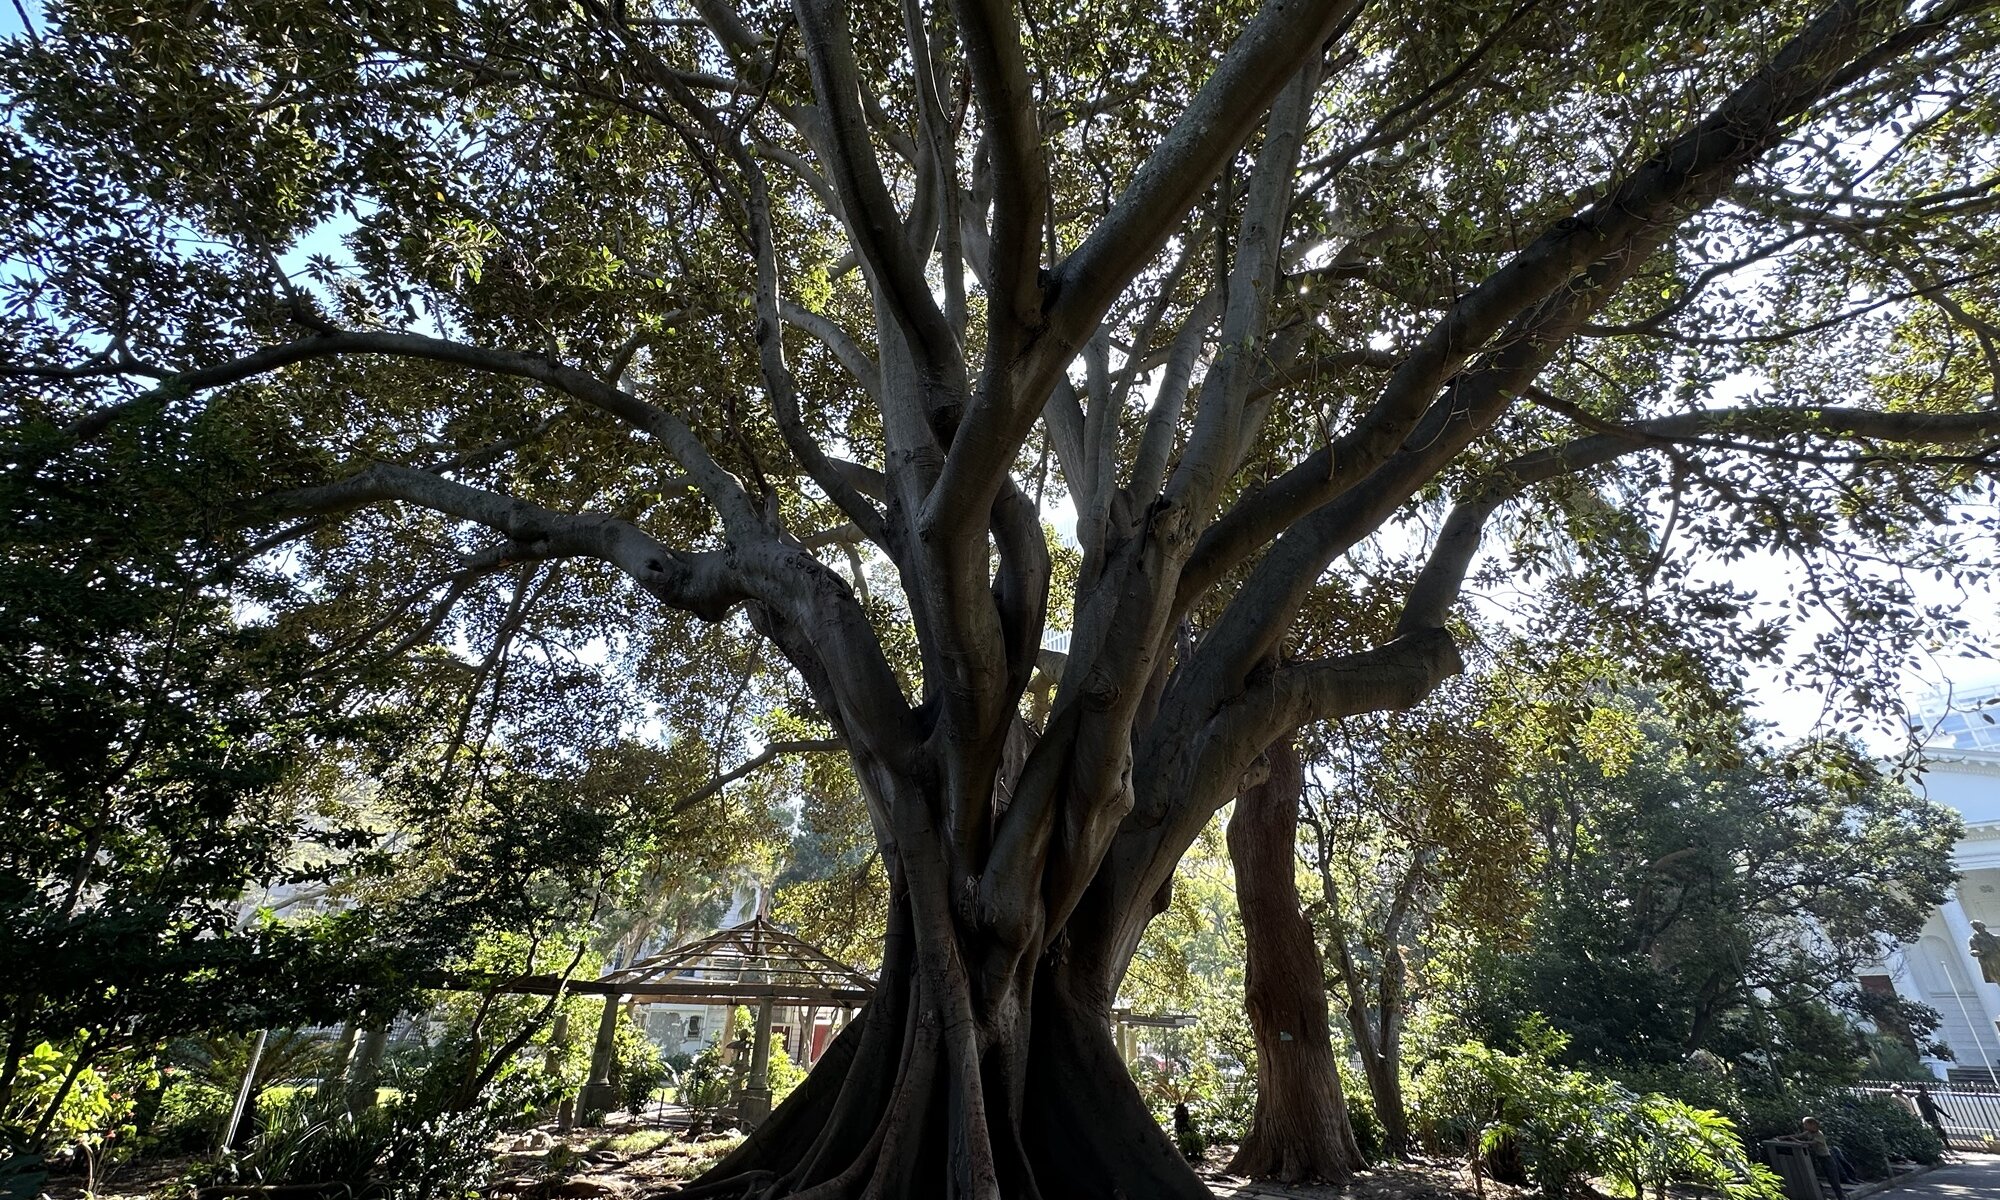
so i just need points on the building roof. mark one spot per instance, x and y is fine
(756, 955)
(752, 961)
(1961, 715)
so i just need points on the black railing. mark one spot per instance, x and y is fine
(1971, 1110)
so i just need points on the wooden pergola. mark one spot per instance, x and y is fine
(752, 963)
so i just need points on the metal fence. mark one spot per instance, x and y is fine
(1971, 1111)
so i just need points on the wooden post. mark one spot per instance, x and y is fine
(597, 1094)
(802, 1051)
(756, 1102)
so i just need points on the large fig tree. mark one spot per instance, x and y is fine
(816, 320)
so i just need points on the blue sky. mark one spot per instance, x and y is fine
(11, 12)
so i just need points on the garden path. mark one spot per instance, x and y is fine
(1966, 1177)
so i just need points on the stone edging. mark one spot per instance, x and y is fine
(1883, 1185)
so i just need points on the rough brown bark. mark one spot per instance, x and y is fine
(1300, 1132)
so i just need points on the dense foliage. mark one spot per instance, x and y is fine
(1686, 906)
(155, 755)
(1570, 1127)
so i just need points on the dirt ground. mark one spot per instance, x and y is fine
(641, 1158)
(1416, 1179)
(633, 1161)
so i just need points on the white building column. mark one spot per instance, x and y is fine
(1985, 1003)
(1909, 987)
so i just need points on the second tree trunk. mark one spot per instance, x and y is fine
(1300, 1131)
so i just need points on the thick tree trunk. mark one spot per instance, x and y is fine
(1300, 1131)
(1050, 1112)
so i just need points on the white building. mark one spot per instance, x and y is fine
(1961, 770)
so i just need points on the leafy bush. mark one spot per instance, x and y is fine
(783, 1074)
(1228, 1111)
(1187, 1135)
(92, 1105)
(1870, 1130)
(220, 1059)
(315, 1143)
(1568, 1126)
(440, 1157)
(1655, 1141)
(1221, 1106)
(1703, 1081)
(705, 1085)
(190, 1117)
(1904, 1134)
(1368, 1136)
(1858, 1139)
(402, 1150)
(638, 1070)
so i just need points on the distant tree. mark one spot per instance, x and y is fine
(1688, 905)
(153, 761)
(1300, 1131)
(1422, 854)
(834, 888)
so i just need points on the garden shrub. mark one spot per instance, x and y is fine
(1858, 1138)
(402, 1150)
(1368, 1135)
(314, 1143)
(190, 1117)
(1229, 1111)
(1905, 1135)
(1704, 1083)
(1220, 1101)
(783, 1074)
(705, 1085)
(441, 1156)
(95, 1109)
(638, 1070)
(1652, 1142)
(1870, 1130)
(1569, 1127)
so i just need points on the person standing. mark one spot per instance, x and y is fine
(1814, 1139)
(1902, 1098)
(1933, 1116)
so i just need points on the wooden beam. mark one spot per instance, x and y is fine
(701, 991)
